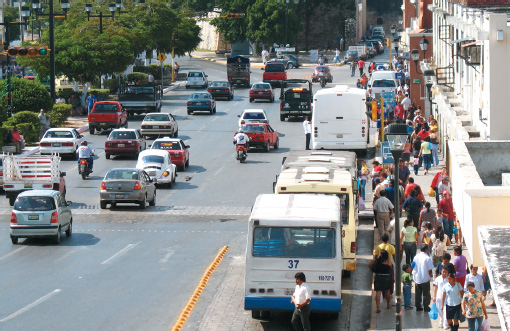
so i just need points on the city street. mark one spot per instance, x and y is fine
(128, 269)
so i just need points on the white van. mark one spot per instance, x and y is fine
(340, 120)
(196, 79)
(382, 85)
(381, 74)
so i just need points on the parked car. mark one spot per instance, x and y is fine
(378, 45)
(325, 70)
(221, 90)
(159, 124)
(158, 165)
(378, 36)
(378, 29)
(196, 79)
(127, 185)
(372, 51)
(253, 116)
(60, 141)
(124, 142)
(289, 61)
(40, 213)
(107, 115)
(351, 56)
(261, 135)
(179, 152)
(201, 102)
(261, 91)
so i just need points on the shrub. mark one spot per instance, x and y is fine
(59, 114)
(143, 69)
(66, 94)
(138, 76)
(28, 124)
(26, 95)
(112, 85)
(3, 135)
(100, 94)
(29, 131)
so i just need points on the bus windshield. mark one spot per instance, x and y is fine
(293, 242)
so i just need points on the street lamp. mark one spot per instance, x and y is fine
(415, 56)
(393, 29)
(397, 137)
(111, 8)
(429, 77)
(424, 45)
(287, 2)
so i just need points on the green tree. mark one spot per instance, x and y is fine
(26, 95)
(187, 36)
(233, 30)
(11, 14)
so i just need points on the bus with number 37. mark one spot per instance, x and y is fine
(290, 233)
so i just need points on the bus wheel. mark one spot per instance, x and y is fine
(265, 314)
(255, 314)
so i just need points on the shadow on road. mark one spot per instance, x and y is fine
(76, 239)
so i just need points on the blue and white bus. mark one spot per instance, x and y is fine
(290, 233)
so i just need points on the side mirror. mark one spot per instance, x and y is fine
(239, 116)
(154, 180)
(69, 203)
(187, 146)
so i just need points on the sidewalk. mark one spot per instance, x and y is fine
(411, 319)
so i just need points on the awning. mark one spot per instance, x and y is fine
(460, 40)
(478, 42)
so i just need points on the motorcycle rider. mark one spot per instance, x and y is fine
(85, 153)
(322, 78)
(241, 138)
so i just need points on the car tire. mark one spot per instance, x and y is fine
(91, 129)
(190, 112)
(290, 65)
(14, 240)
(143, 203)
(69, 230)
(171, 183)
(58, 236)
(74, 156)
(282, 118)
(176, 133)
(214, 110)
(186, 165)
(272, 100)
(211, 111)
(12, 200)
(266, 147)
(251, 100)
(107, 156)
(255, 314)
(103, 204)
(126, 124)
(277, 143)
(152, 203)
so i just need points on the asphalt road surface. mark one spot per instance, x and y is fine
(128, 269)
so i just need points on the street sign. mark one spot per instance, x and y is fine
(416, 81)
(161, 57)
(387, 158)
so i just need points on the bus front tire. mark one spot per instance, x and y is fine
(255, 314)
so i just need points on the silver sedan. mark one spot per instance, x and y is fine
(127, 185)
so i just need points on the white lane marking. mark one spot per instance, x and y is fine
(66, 255)
(218, 171)
(12, 253)
(167, 257)
(202, 128)
(121, 252)
(215, 118)
(30, 306)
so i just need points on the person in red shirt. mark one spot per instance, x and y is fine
(409, 187)
(446, 204)
(17, 138)
(399, 112)
(361, 66)
(423, 133)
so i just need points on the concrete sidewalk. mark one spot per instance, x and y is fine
(411, 319)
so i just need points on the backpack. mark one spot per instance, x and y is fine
(438, 248)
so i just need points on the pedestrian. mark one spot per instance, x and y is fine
(17, 138)
(91, 100)
(364, 174)
(337, 55)
(307, 126)
(439, 283)
(473, 307)
(460, 264)
(390, 191)
(382, 280)
(301, 300)
(413, 206)
(446, 205)
(60, 99)
(436, 146)
(427, 215)
(265, 55)
(407, 282)
(487, 285)
(44, 122)
(452, 296)
(444, 185)
(438, 178)
(385, 245)
(358, 84)
(409, 240)
(439, 242)
(384, 209)
(476, 279)
(361, 66)
(422, 273)
(150, 79)
(426, 154)
(406, 103)
(375, 173)
(354, 65)
(426, 234)
(378, 188)
(75, 103)
(403, 173)
(176, 68)
(410, 187)
(416, 163)
(445, 264)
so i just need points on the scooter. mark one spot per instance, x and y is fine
(322, 80)
(84, 169)
(241, 153)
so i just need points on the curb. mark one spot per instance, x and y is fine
(173, 87)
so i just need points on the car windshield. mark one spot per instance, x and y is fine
(289, 242)
(262, 86)
(218, 84)
(275, 68)
(153, 159)
(122, 135)
(167, 145)
(156, 118)
(290, 95)
(200, 96)
(384, 83)
(254, 116)
(58, 134)
(253, 128)
(123, 174)
(195, 74)
(105, 107)
(34, 203)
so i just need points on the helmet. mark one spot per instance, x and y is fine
(84, 143)
(241, 131)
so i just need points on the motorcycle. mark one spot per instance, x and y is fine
(84, 169)
(322, 80)
(241, 153)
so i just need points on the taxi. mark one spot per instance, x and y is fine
(179, 152)
(261, 135)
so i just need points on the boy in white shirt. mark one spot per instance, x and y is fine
(439, 282)
(475, 278)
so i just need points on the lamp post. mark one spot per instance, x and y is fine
(429, 77)
(424, 45)
(396, 44)
(397, 137)
(287, 2)
(111, 8)
(393, 29)
(415, 56)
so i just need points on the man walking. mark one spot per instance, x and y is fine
(91, 100)
(384, 208)
(361, 66)
(337, 55)
(301, 299)
(413, 206)
(307, 126)
(406, 103)
(45, 123)
(265, 55)
(422, 274)
(353, 67)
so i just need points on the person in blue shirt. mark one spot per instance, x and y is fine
(91, 100)
(390, 191)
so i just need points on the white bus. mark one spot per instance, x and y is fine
(290, 233)
(340, 120)
(339, 159)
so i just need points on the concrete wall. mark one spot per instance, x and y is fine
(210, 37)
(491, 159)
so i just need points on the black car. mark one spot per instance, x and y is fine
(378, 45)
(221, 90)
(289, 61)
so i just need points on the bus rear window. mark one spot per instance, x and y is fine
(287, 242)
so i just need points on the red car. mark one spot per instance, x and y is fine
(325, 69)
(124, 142)
(107, 115)
(179, 152)
(261, 91)
(262, 135)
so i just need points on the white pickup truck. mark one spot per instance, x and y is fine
(22, 173)
(362, 51)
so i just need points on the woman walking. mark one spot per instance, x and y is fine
(364, 173)
(436, 146)
(473, 307)
(452, 296)
(382, 279)
(427, 215)
(426, 154)
(437, 240)
(460, 264)
(409, 240)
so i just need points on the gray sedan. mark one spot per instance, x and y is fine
(129, 185)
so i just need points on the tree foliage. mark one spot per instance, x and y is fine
(233, 30)
(11, 14)
(26, 95)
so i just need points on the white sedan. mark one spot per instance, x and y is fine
(60, 141)
(158, 165)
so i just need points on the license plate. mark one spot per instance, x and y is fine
(288, 291)
(28, 185)
(155, 127)
(199, 103)
(56, 144)
(261, 92)
(33, 217)
(119, 196)
(102, 124)
(194, 83)
(121, 145)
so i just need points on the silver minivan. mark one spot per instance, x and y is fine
(196, 79)
(40, 213)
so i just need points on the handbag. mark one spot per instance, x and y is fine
(432, 193)
(486, 326)
(433, 313)
(462, 318)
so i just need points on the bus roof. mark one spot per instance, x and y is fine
(314, 179)
(337, 159)
(342, 89)
(296, 210)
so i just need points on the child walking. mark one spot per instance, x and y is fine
(416, 164)
(407, 281)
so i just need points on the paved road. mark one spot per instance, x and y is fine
(132, 269)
